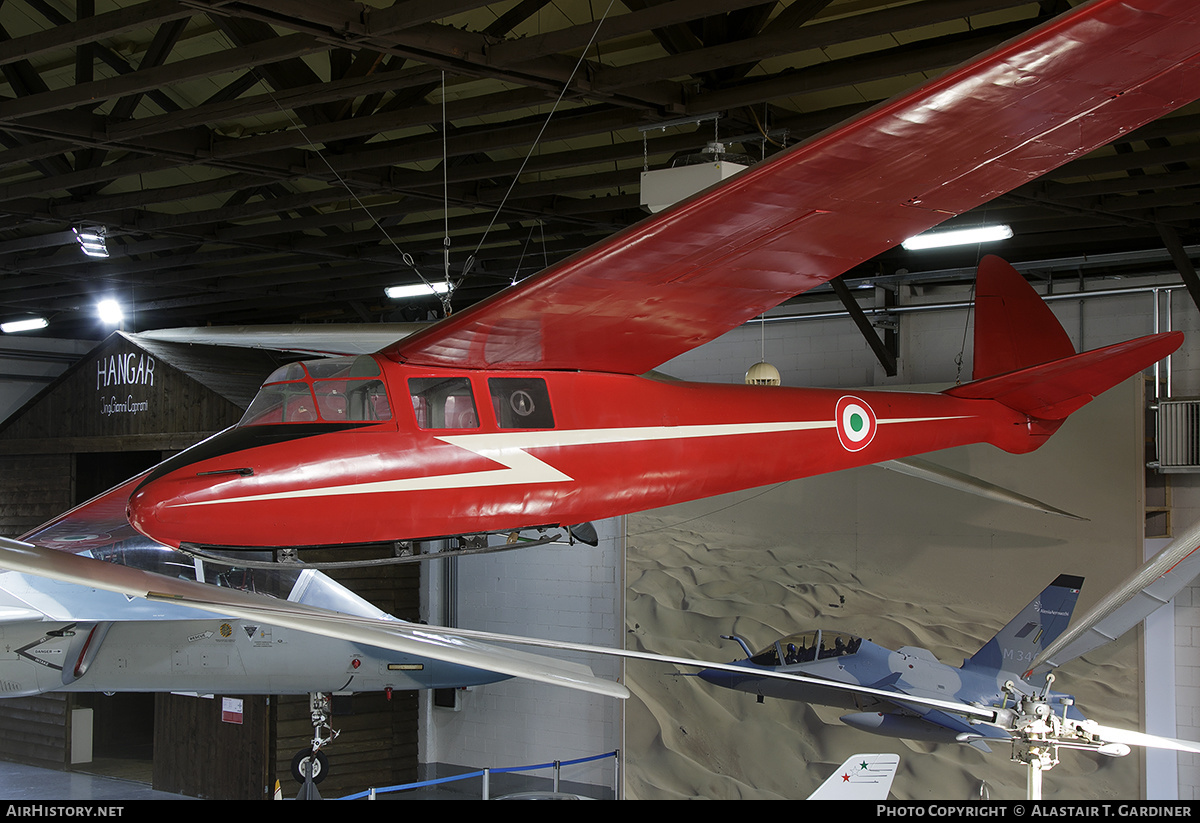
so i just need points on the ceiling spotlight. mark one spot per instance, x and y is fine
(958, 237)
(92, 240)
(110, 312)
(416, 290)
(24, 324)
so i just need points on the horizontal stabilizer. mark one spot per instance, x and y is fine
(1054, 390)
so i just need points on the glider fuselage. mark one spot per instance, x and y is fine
(382, 451)
(598, 441)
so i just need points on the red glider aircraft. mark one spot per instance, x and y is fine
(530, 409)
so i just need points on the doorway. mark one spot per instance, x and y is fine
(118, 728)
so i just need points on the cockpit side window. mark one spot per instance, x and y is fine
(805, 647)
(443, 402)
(286, 374)
(837, 644)
(799, 648)
(521, 402)
(281, 403)
(359, 400)
(767, 657)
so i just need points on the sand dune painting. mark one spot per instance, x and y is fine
(901, 562)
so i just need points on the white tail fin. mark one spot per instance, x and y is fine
(861, 777)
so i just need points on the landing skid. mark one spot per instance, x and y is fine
(404, 551)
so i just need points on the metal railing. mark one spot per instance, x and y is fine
(485, 776)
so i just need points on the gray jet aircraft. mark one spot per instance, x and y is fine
(995, 696)
(77, 623)
(62, 636)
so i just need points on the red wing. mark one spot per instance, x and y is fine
(689, 274)
(99, 523)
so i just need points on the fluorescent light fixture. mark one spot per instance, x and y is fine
(25, 324)
(416, 290)
(110, 312)
(958, 237)
(92, 240)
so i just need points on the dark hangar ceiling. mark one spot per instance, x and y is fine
(280, 161)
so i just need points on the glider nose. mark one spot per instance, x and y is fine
(169, 505)
(154, 507)
(142, 512)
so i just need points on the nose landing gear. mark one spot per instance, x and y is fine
(310, 766)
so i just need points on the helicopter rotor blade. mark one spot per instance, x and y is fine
(1111, 734)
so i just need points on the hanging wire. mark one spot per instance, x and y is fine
(405, 257)
(761, 125)
(962, 349)
(445, 186)
(566, 86)
(521, 260)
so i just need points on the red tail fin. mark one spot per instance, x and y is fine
(1014, 328)
(1024, 359)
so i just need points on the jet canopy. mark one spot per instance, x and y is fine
(335, 390)
(806, 647)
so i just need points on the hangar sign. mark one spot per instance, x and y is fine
(121, 379)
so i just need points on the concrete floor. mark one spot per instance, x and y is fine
(20, 783)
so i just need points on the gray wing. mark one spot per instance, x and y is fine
(1153, 585)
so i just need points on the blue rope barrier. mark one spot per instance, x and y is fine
(479, 773)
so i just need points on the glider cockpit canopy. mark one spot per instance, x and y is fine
(334, 390)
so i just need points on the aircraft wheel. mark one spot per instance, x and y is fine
(320, 765)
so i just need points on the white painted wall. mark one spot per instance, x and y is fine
(568, 593)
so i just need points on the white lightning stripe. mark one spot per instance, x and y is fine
(522, 468)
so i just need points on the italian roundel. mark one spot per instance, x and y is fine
(855, 423)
